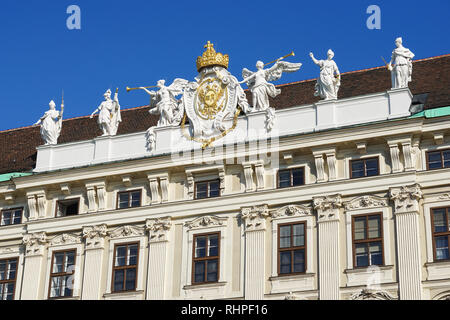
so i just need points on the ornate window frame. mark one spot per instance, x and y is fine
(364, 205)
(66, 242)
(203, 225)
(440, 269)
(13, 252)
(297, 282)
(203, 174)
(124, 235)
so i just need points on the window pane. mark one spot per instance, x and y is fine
(12, 270)
(360, 228)
(213, 246)
(118, 280)
(17, 217)
(58, 263)
(132, 255)
(374, 227)
(434, 160)
(56, 285)
(200, 247)
(284, 179)
(439, 219)
(214, 189)
(9, 291)
(199, 271)
(3, 270)
(357, 169)
(67, 286)
(376, 255)
(299, 261)
(285, 262)
(201, 190)
(124, 199)
(297, 177)
(362, 258)
(136, 199)
(120, 256)
(70, 261)
(212, 271)
(6, 218)
(299, 235)
(130, 282)
(442, 248)
(446, 155)
(285, 236)
(372, 167)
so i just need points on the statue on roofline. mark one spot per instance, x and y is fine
(328, 84)
(401, 71)
(51, 124)
(109, 116)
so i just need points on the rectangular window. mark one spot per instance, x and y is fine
(66, 208)
(206, 258)
(11, 216)
(125, 267)
(368, 240)
(129, 199)
(440, 218)
(438, 159)
(291, 178)
(291, 248)
(364, 168)
(8, 277)
(207, 189)
(62, 274)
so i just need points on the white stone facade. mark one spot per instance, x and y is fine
(248, 213)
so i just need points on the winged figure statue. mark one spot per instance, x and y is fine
(164, 103)
(259, 85)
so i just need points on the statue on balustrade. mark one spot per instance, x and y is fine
(51, 124)
(109, 116)
(329, 81)
(401, 71)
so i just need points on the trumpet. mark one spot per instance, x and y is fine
(286, 56)
(139, 88)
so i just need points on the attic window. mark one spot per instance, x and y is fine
(65, 208)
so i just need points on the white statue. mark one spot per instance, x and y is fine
(327, 86)
(109, 114)
(51, 123)
(163, 102)
(401, 72)
(258, 81)
(151, 139)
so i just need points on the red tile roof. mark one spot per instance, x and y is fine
(430, 75)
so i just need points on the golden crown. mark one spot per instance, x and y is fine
(211, 58)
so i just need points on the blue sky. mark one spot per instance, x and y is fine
(137, 42)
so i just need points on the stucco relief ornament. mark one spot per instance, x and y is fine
(406, 198)
(34, 242)
(401, 65)
(328, 207)
(109, 116)
(368, 294)
(262, 89)
(329, 81)
(255, 217)
(51, 124)
(95, 235)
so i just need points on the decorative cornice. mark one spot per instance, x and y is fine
(34, 243)
(365, 202)
(406, 198)
(66, 238)
(255, 217)
(206, 222)
(95, 236)
(158, 228)
(126, 232)
(292, 211)
(328, 207)
(367, 294)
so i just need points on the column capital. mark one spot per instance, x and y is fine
(95, 236)
(327, 207)
(34, 243)
(406, 198)
(158, 229)
(255, 217)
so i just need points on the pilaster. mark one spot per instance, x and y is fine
(35, 247)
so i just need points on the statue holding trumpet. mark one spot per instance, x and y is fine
(164, 103)
(258, 81)
(109, 116)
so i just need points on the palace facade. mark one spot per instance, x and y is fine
(344, 199)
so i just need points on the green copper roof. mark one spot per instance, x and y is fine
(433, 113)
(9, 176)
